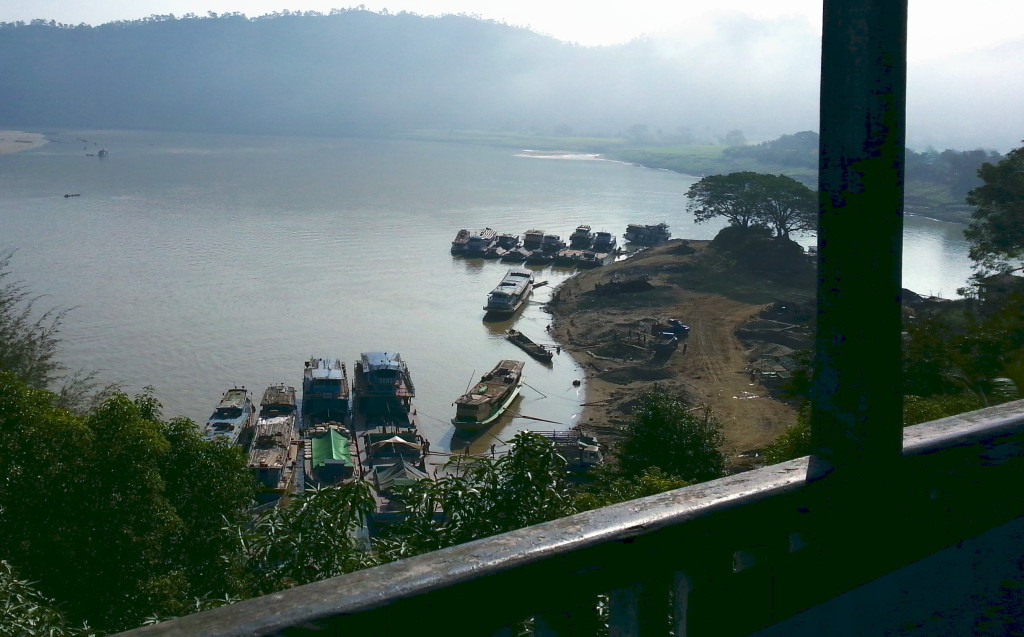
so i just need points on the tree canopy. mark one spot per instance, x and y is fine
(996, 233)
(747, 199)
(666, 433)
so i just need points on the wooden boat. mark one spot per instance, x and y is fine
(274, 453)
(581, 238)
(490, 397)
(533, 349)
(461, 243)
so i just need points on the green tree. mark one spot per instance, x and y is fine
(483, 497)
(668, 434)
(996, 234)
(314, 537)
(754, 199)
(30, 342)
(115, 514)
(610, 488)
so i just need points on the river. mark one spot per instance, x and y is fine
(194, 263)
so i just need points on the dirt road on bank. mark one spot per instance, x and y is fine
(603, 317)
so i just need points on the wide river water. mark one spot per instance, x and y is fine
(194, 263)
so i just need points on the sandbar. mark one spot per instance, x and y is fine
(12, 141)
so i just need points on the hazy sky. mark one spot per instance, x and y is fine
(938, 28)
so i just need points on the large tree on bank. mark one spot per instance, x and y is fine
(997, 233)
(747, 199)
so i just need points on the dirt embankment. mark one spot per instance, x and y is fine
(604, 318)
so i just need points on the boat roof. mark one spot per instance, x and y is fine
(325, 368)
(279, 395)
(330, 445)
(382, 360)
(235, 397)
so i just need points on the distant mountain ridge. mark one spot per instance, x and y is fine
(351, 72)
(357, 72)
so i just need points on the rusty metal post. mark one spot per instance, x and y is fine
(857, 397)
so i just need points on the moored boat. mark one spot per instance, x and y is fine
(325, 392)
(490, 397)
(533, 349)
(234, 414)
(647, 235)
(533, 239)
(581, 238)
(390, 449)
(463, 236)
(603, 242)
(382, 386)
(511, 292)
(274, 453)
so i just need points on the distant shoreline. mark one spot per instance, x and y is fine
(12, 141)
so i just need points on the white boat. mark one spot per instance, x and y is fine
(510, 294)
(488, 399)
(234, 413)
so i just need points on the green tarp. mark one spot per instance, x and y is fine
(331, 446)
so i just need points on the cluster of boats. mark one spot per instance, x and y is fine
(358, 428)
(585, 247)
(346, 429)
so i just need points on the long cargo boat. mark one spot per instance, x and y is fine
(511, 292)
(490, 397)
(535, 350)
(274, 454)
(390, 449)
(325, 392)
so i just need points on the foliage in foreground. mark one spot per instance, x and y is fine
(483, 497)
(30, 342)
(114, 513)
(668, 434)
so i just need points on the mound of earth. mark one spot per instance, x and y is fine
(603, 317)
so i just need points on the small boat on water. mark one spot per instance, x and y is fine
(511, 292)
(533, 239)
(581, 238)
(533, 349)
(274, 454)
(234, 413)
(463, 236)
(490, 397)
(604, 242)
(325, 392)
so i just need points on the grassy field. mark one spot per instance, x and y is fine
(927, 199)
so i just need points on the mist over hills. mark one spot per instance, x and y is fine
(364, 73)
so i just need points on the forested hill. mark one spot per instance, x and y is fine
(356, 71)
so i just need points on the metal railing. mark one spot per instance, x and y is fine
(726, 557)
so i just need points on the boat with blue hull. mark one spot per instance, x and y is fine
(325, 392)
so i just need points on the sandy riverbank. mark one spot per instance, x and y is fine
(14, 141)
(608, 334)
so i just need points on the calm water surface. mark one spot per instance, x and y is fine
(197, 263)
